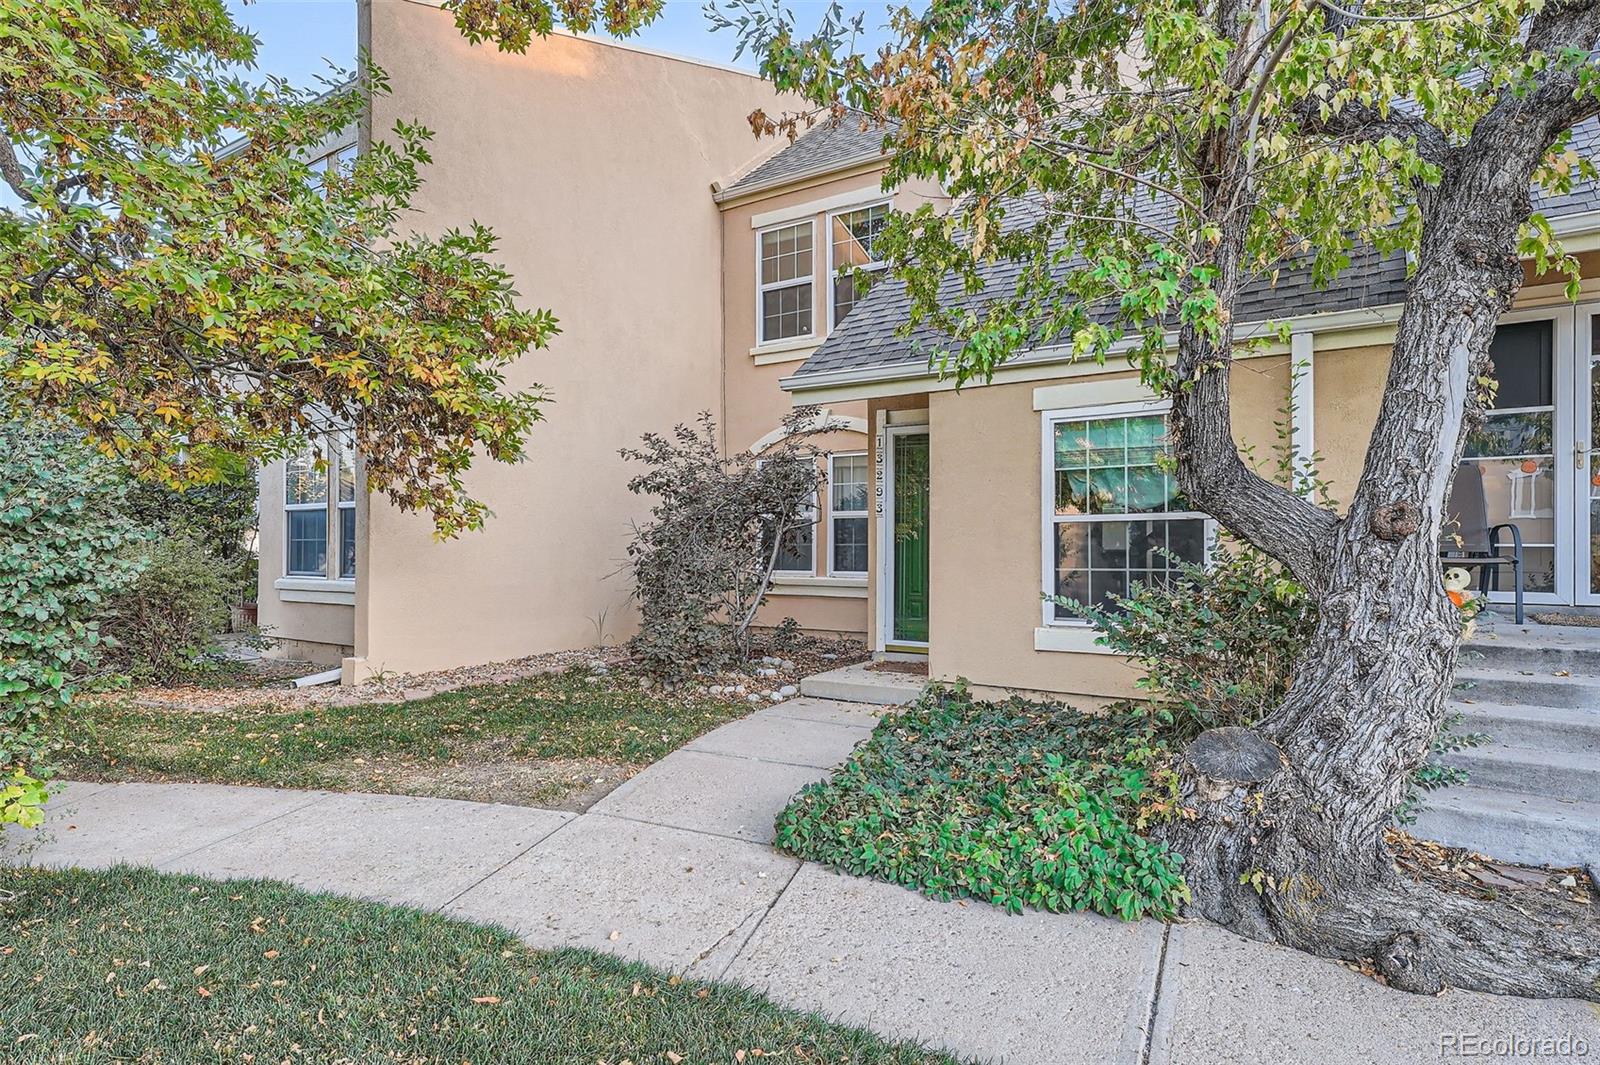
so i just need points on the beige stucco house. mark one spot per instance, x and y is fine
(692, 267)
(1044, 482)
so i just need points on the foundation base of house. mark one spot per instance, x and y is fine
(321, 654)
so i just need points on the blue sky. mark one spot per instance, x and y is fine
(298, 35)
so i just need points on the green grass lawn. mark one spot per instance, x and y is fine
(137, 966)
(546, 740)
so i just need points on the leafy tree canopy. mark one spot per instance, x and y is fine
(178, 281)
(1093, 144)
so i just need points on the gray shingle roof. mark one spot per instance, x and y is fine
(868, 339)
(830, 144)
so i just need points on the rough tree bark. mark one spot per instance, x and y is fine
(1295, 852)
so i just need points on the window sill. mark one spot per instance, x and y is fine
(1071, 639)
(792, 350)
(825, 587)
(315, 590)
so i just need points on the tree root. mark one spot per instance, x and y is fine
(1420, 936)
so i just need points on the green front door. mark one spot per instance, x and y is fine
(910, 537)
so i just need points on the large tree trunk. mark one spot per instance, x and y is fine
(1286, 841)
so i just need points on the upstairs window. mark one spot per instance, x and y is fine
(784, 281)
(319, 504)
(853, 235)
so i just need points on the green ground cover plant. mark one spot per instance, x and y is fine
(1014, 803)
(133, 965)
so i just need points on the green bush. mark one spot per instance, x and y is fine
(1218, 645)
(170, 614)
(64, 549)
(1014, 803)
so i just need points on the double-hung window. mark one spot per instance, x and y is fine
(847, 515)
(853, 235)
(784, 282)
(797, 551)
(319, 503)
(1113, 515)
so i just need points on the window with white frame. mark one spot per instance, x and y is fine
(847, 514)
(342, 162)
(797, 553)
(319, 503)
(853, 234)
(1113, 515)
(784, 281)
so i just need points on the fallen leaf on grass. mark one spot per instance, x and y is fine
(674, 1057)
(487, 1000)
(202, 992)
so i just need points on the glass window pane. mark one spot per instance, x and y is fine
(1147, 439)
(1149, 491)
(1528, 433)
(1522, 354)
(308, 543)
(794, 554)
(1072, 565)
(786, 253)
(850, 545)
(1108, 545)
(1072, 492)
(844, 298)
(1108, 491)
(1107, 442)
(303, 482)
(854, 233)
(347, 542)
(1186, 538)
(786, 312)
(849, 484)
(1072, 442)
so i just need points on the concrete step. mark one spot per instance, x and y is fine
(1553, 774)
(1552, 728)
(858, 684)
(1542, 649)
(1510, 687)
(1512, 827)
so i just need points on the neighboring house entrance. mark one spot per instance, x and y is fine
(906, 623)
(1538, 451)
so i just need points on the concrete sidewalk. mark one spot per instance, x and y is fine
(675, 869)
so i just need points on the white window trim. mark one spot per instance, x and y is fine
(1047, 553)
(762, 288)
(329, 586)
(833, 512)
(821, 587)
(325, 506)
(833, 268)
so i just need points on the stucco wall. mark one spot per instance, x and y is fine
(593, 164)
(753, 404)
(985, 538)
(1348, 388)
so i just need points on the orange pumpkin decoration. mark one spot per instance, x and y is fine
(1529, 466)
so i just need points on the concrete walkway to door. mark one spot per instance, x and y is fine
(675, 868)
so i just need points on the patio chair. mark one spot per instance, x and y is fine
(1479, 546)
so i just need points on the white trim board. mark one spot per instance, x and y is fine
(855, 198)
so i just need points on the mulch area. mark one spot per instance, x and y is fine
(266, 682)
